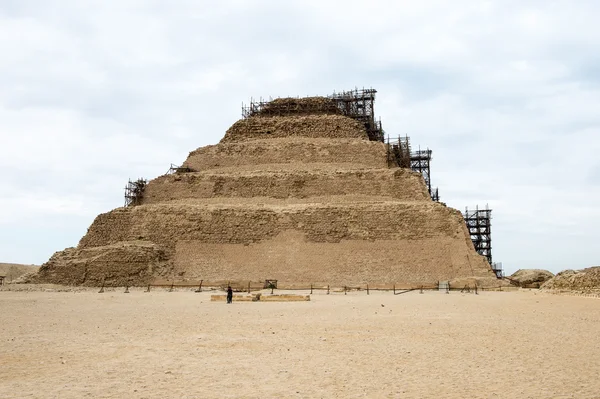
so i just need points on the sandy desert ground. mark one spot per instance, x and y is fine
(161, 344)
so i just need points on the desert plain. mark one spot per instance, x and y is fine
(83, 344)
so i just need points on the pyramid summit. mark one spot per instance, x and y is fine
(298, 190)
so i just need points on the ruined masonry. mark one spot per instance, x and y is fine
(296, 191)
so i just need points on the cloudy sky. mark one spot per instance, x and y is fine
(506, 93)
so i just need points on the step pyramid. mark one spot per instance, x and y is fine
(296, 191)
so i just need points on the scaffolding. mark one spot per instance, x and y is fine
(358, 104)
(174, 169)
(497, 269)
(290, 106)
(399, 154)
(435, 194)
(479, 224)
(134, 192)
(419, 162)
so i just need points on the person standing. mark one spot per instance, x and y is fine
(229, 294)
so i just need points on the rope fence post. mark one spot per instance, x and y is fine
(367, 289)
(200, 287)
(327, 290)
(311, 286)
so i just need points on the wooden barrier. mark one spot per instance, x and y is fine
(257, 286)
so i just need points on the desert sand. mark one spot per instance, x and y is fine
(520, 344)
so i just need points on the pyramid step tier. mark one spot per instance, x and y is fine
(288, 151)
(311, 126)
(401, 184)
(340, 243)
(165, 224)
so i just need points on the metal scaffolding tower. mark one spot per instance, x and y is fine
(400, 155)
(134, 192)
(479, 224)
(358, 104)
(419, 162)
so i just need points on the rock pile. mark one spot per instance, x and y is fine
(584, 281)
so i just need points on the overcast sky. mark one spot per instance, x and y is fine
(506, 94)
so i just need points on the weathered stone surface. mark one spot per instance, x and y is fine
(165, 224)
(400, 184)
(314, 126)
(118, 264)
(272, 154)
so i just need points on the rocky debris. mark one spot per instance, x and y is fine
(530, 278)
(584, 281)
(119, 264)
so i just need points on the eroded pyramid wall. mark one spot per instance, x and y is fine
(297, 198)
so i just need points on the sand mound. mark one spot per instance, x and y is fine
(586, 280)
(530, 278)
